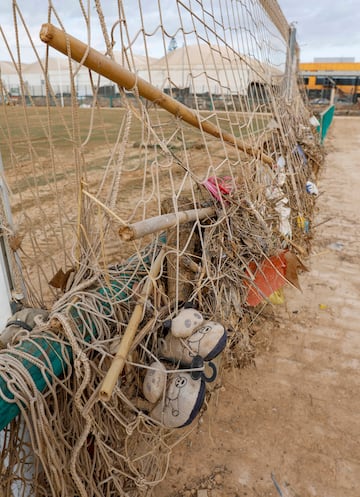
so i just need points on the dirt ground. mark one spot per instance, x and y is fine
(289, 426)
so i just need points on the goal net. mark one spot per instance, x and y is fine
(155, 155)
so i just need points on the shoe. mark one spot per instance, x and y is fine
(207, 342)
(24, 319)
(183, 400)
(154, 382)
(186, 322)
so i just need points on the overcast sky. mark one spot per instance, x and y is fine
(325, 28)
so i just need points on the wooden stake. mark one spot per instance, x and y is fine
(119, 360)
(159, 223)
(96, 61)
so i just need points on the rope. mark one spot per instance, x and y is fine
(77, 169)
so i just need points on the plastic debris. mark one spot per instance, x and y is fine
(312, 188)
(299, 150)
(338, 246)
(274, 193)
(284, 213)
(314, 121)
(272, 124)
(219, 186)
(278, 297)
(303, 224)
(281, 162)
(281, 176)
(269, 277)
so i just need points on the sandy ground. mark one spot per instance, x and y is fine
(293, 418)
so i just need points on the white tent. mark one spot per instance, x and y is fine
(210, 69)
(201, 68)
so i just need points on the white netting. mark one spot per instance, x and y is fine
(84, 158)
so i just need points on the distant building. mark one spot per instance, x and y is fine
(334, 59)
(320, 76)
(189, 70)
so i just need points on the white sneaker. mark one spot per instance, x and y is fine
(154, 382)
(207, 342)
(186, 322)
(183, 400)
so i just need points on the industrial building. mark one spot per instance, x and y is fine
(323, 74)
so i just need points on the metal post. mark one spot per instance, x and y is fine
(332, 95)
(8, 259)
(291, 61)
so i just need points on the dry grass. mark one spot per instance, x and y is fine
(37, 125)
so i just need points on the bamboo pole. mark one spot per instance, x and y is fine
(96, 61)
(127, 339)
(163, 222)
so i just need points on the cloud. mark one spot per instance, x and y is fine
(73, 19)
(325, 28)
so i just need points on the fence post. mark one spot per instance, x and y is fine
(11, 282)
(291, 63)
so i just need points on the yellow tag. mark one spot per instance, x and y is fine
(277, 297)
(301, 222)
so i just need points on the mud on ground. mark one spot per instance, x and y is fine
(292, 419)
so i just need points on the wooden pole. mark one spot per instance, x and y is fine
(163, 222)
(96, 61)
(127, 339)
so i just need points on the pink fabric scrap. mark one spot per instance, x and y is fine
(219, 186)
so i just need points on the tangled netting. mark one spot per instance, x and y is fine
(99, 178)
